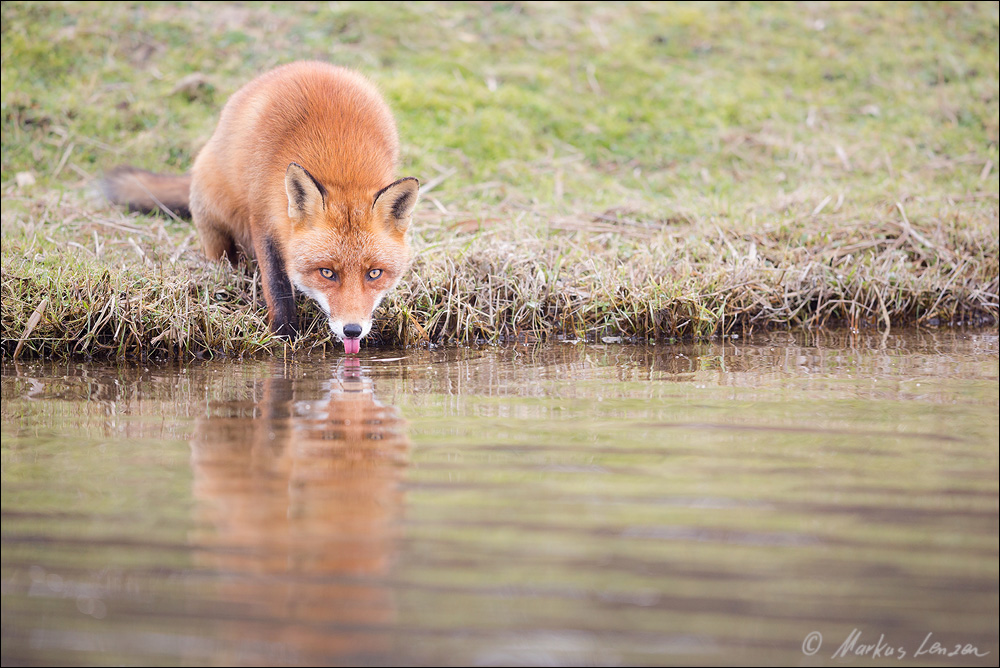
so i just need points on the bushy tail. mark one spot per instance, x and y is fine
(147, 192)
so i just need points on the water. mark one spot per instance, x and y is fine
(568, 504)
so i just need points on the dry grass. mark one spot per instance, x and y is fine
(654, 172)
(142, 289)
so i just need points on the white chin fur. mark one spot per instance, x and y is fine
(338, 328)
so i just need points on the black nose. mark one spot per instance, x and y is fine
(352, 331)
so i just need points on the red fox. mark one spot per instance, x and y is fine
(299, 174)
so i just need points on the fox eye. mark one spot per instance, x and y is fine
(328, 274)
(374, 273)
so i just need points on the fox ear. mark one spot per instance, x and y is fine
(306, 195)
(394, 204)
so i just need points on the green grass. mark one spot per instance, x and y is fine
(645, 170)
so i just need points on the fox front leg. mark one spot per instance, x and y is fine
(278, 291)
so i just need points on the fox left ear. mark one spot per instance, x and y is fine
(394, 204)
(306, 196)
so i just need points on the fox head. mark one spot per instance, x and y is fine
(346, 255)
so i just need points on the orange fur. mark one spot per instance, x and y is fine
(299, 173)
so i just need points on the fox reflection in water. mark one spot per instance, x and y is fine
(298, 496)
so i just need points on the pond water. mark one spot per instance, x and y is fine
(800, 498)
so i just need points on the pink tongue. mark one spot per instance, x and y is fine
(352, 346)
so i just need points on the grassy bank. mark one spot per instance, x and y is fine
(646, 170)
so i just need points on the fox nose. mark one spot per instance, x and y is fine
(352, 331)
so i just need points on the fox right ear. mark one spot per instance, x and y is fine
(306, 195)
(394, 204)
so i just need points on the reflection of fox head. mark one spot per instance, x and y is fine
(348, 251)
(305, 491)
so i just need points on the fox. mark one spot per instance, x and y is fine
(300, 175)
